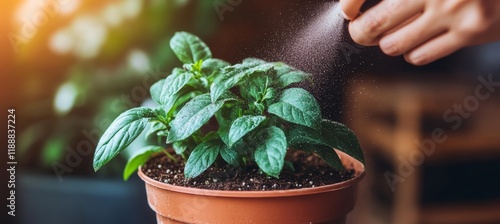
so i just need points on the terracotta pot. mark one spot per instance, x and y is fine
(326, 204)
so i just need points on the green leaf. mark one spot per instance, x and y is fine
(255, 88)
(155, 91)
(192, 117)
(270, 94)
(254, 61)
(197, 66)
(332, 134)
(270, 153)
(171, 102)
(181, 98)
(242, 126)
(202, 157)
(230, 155)
(233, 75)
(245, 147)
(210, 136)
(327, 154)
(160, 113)
(189, 48)
(339, 136)
(153, 128)
(224, 135)
(180, 147)
(173, 83)
(227, 115)
(123, 131)
(212, 65)
(298, 135)
(298, 106)
(288, 75)
(138, 159)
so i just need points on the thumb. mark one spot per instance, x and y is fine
(351, 8)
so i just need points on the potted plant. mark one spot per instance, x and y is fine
(237, 144)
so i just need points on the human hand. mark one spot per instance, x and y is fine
(350, 8)
(424, 30)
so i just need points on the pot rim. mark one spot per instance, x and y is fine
(357, 166)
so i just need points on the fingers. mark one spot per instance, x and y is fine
(423, 30)
(367, 28)
(351, 8)
(411, 35)
(435, 49)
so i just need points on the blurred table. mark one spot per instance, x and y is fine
(414, 124)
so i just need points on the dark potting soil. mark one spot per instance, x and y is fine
(310, 171)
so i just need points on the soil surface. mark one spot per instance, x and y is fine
(310, 171)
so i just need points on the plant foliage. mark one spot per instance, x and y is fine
(257, 116)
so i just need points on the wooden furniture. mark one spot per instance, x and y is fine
(393, 118)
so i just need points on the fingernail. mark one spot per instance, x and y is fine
(388, 46)
(345, 15)
(416, 59)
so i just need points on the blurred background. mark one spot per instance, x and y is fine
(431, 134)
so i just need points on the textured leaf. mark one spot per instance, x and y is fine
(226, 116)
(123, 131)
(192, 117)
(332, 134)
(181, 98)
(173, 83)
(233, 75)
(160, 113)
(270, 94)
(254, 61)
(210, 136)
(202, 157)
(327, 154)
(299, 135)
(242, 126)
(298, 106)
(189, 48)
(212, 65)
(287, 75)
(271, 150)
(224, 135)
(230, 155)
(339, 136)
(153, 128)
(155, 91)
(255, 88)
(179, 147)
(138, 159)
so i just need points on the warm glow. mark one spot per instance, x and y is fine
(36, 12)
(90, 34)
(62, 42)
(131, 8)
(65, 98)
(112, 15)
(138, 61)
